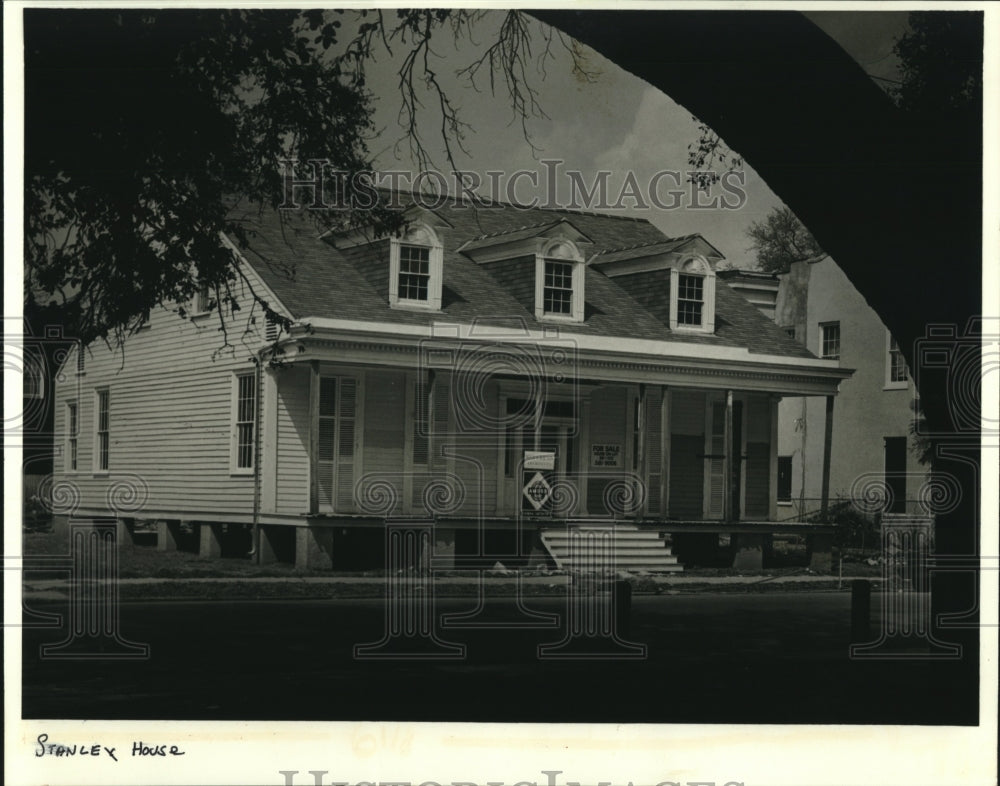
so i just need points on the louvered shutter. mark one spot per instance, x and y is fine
(346, 429)
(421, 439)
(653, 444)
(717, 464)
(271, 328)
(440, 427)
(327, 438)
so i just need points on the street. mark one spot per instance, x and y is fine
(711, 658)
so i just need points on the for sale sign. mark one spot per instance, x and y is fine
(606, 455)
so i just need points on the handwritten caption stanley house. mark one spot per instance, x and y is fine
(139, 749)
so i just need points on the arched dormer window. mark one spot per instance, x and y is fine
(559, 279)
(415, 269)
(692, 296)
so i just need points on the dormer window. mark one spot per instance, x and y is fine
(557, 293)
(415, 270)
(559, 277)
(692, 296)
(690, 299)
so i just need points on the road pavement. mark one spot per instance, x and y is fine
(708, 658)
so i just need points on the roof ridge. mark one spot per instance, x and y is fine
(646, 245)
(514, 229)
(457, 201)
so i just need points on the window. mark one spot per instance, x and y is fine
(72, 427)
(690, 299)
(557, 293)
(246, 411)
(559, 280)
(784, 478)
(103, 444)
(203, 300)
(692, 296)
(830, 341)
(416, 270)
(896, 373)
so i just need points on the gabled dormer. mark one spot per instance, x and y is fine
(675, 280)
(413, 259)
(416, 269)
(545, 262)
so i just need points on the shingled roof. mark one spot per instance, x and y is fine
(312, 278)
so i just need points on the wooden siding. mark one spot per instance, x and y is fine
(687, 444)
(171, 416)
(608, 425)
(292, 443)
(653, 450)
(758, 461)
(385, 419)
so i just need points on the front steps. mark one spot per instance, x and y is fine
(580, 547)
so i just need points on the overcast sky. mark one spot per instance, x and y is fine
(616, 122)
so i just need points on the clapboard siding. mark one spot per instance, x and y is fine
(384, 436)
(171, 418)
(758, 463)
(687, 444)
(292, 441)
(608, 425)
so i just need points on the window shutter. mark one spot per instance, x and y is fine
(440, 427)
(421, 434)
(717, 466)
(654, 450)
(326, 453)
(345, 444)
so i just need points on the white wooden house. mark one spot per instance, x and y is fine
(503, 372)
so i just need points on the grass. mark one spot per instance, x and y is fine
(145, 561)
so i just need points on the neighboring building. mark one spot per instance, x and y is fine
(872, 446)
(504, 372)
(36, 351)
(761, 289)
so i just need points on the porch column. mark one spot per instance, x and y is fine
(827, 447)
(583, 455)
(728, 462)
(539, 415)
(772, 493)
(314, 436)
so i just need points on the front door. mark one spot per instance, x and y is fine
(540, 458)
(716, 453)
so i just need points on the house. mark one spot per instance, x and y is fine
(507, 373)
(874, 461)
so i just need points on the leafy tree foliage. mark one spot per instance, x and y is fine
(941, 60)
(781, 239)
(143, 129)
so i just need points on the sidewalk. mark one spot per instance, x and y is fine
(324, 587)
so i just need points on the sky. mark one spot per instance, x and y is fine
(614, 122)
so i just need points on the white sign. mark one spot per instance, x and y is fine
(537, 490)
(539, 459)
(609, 455)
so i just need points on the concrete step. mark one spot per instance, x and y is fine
(619, 553)
(652, 537)
(630, 547)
